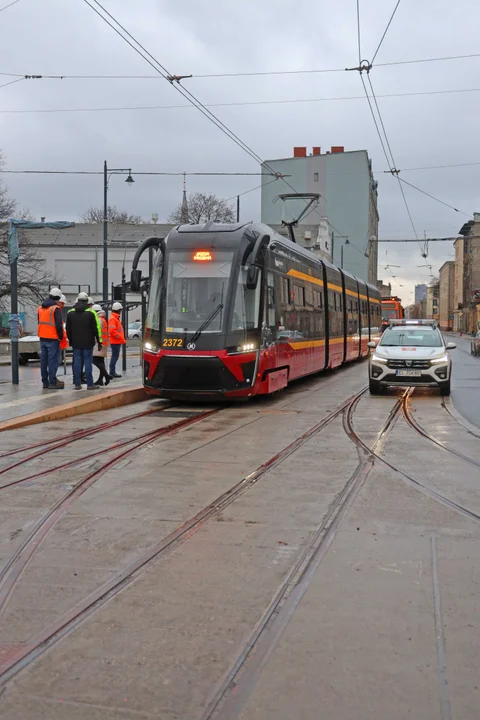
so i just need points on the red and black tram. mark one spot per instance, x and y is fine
(239, 310)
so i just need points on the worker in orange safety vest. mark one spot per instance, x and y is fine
(117, 336)
(50, 332)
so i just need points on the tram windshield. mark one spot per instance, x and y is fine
(197, 284)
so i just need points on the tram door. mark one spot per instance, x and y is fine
(269, 334)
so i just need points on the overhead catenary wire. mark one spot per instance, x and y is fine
(257, 187)
(12, 82)
(385, 32)
(9, 5)
(134, 172)
(390, 161)
(314, 71)
(286, 101)
(165, 74)
(442, 202)
(176, 84)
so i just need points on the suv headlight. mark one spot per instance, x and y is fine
(439, 360)
(378, 359)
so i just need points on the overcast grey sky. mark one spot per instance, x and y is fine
(221, 36)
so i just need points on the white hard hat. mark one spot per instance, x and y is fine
(117, 306)
(63, 299)
(97, 308)
(90, 300)
(82, 296)
(55, 293)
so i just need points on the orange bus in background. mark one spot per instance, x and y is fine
(391, 310)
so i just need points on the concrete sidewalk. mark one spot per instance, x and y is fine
(29, 404)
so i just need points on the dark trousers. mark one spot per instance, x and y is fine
(114, 357)
(82, 357)
(49, 360)
(99, 363)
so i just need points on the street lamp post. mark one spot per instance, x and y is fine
(347, 242)
(106, 177)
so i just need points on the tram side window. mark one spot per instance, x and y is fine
(298, 295)
(317, 299)
(284, 291)
(270, 300)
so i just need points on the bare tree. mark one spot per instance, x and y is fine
(435, 284)
(95, 215)
(33, 278)
(202, 208)
(7, 204)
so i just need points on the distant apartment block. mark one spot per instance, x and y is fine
(348, 201)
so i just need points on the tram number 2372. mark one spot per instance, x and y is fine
(172, 342)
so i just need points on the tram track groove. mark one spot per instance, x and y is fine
(72, 437)
(410, 420)
(417, 484)
(233, 691)
(18, 561)
(24, 655)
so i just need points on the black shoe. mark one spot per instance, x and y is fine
(77, 387)
(114, 375)
(45, 387)
(55, 387)
(92, 387)
(107, 380)
(99, 383)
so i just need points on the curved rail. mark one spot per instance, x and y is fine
(63, 440)
(18, 561)
(413, 481)
(22, 656)
(407, 414)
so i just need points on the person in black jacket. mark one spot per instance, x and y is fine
(82, 332)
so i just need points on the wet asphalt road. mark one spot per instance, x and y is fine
(466, 381)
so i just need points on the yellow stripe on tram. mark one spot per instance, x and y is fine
(304, 276)
(303, 344)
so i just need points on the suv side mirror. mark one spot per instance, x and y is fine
(451, 346)
(135, 280)
(372, 345)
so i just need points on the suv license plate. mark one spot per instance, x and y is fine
(409, 373)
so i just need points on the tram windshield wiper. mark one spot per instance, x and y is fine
(206, 323)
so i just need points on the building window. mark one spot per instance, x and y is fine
(315, 177)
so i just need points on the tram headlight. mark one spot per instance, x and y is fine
(149, 346)
(248, 347)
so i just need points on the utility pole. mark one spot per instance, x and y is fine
(129, 182)
(105, 233)
(238, 208)
(14, 325)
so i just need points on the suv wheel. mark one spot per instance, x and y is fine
(445, 390)
(374, 387)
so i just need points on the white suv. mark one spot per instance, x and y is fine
(410, 352)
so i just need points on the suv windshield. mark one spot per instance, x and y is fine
(411, 337)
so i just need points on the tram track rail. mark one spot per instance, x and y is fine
(415, 425)
(63, 440)
(23, 655)
(12, 570)
(418, 484)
